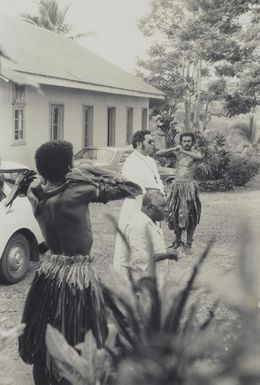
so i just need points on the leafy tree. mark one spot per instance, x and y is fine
(202, 45)
(53, 18)
(164, 120)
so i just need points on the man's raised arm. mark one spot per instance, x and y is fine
(166, 151)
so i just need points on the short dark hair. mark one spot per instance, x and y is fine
(150, 195)
(139, 137)
(191, 134)
(53, 159)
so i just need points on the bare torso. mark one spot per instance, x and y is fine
(185, 168)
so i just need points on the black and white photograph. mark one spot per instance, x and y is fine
(130, 192)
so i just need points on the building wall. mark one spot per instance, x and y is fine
(37, 130)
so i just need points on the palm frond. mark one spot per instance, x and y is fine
(175, 313)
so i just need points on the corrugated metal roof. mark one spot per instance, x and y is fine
(49, 58)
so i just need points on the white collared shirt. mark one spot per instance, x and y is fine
(142, 169)
(145, 239)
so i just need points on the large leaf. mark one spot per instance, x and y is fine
(70, 365)
(88, 350)
(175, 313)
(123, 315)
(99, 361)
(10, 335)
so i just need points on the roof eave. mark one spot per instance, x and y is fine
(35, 80)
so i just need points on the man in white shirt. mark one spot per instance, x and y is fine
(145, 238)
(141, 169)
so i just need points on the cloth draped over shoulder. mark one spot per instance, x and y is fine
(66, 291)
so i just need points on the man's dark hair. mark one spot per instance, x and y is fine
(139, 137)
(53, 159)
(191, 134)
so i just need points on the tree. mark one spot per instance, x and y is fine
(202, 45)
(53, 18)
(164, 120)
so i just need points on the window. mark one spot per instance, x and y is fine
(56, 121)
(19, 93)
(87, 126)
(144, 118)
(111, 126)
(18, 124)
(18, 114)
(129, 125)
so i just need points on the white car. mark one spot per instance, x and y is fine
(20, 234)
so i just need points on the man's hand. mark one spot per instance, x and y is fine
(177, 148)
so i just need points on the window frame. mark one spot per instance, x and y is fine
(85, 136)
(60, 132)
(129, 132)
(20, 140)
(144, 122)
(111, 131)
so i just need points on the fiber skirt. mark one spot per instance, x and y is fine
(65, 293)
(184, 206)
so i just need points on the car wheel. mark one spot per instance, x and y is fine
(15, 259)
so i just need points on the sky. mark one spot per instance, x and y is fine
(114, 23)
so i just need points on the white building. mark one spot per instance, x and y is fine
(53, 88)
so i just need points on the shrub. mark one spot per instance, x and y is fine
(160, 336)
(216, 158)
(160, 339)
(221, 168)
(241, 169)
(215, 185)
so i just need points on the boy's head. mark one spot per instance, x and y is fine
(54, 159)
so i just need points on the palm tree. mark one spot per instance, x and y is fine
(53, 18)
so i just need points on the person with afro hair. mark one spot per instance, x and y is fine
(66, 291)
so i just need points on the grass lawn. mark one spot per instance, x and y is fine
(222, 214)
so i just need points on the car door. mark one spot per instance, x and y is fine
(18, 216)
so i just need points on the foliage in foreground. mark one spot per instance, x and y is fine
(91, 367)
(160, 339)
(241, 292)
(160, 336)
(6, 338)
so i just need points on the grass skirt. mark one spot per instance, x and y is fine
(184, 206)
(65, 293)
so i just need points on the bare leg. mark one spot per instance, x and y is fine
(177, 242)
(191, 226)
(190, 232)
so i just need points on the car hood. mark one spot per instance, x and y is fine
(8, 165)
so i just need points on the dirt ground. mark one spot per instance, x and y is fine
(221, 216)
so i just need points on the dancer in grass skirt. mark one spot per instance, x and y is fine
(65, 291)
(184, 206)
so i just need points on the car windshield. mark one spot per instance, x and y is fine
(100, 155)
